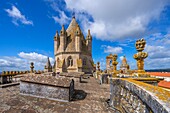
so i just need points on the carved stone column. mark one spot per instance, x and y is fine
(140, 56)
(114, 63)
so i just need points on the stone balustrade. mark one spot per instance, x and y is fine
(130, 97)
(7, 76)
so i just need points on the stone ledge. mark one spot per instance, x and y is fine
(63, 94)
(151, 99)
(47, 80)
(8, 85)
(158, 92)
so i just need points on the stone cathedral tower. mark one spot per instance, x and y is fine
(73, 52)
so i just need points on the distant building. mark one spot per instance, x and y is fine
(73, 53)
(109, 66)
(48, 66)
(124, 66)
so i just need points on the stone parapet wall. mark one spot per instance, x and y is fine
(13, 73)
(61, 89)
(44, 91)
(129, 97)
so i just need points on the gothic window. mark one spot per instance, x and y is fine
(70, 61)
(84, 61)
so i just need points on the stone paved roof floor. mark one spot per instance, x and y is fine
(90, 98)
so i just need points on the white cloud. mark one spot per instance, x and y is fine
(121, 58)
(23, 61)
(113, 50)
(113, 19)
(59, 7)
(62, 19)
(159, 63)
(158, 51)
(17, 16)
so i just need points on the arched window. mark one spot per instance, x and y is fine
(70, 61)
(84, 61)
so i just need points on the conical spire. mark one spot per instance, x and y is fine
(72, 26)
(56, 36)
(54, 64)
(62, 32)
(48, 64)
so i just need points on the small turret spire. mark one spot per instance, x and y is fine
(89, 32)
(48, 67)
(89, 35)
(62, 32)
(48, 64)
(56, 36)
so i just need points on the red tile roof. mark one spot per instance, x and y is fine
(164, 84)
(159, 74)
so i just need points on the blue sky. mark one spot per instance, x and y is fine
(27, 29)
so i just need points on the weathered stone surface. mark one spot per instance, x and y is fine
(133, 98)
(90, 98)
(61, 89)
(72, 51)
(49, 80)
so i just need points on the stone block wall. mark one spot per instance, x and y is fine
(44, 91)
(131, 98)
(50, 91)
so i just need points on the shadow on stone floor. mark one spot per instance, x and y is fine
(79, 95)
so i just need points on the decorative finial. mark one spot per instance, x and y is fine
(140, 45)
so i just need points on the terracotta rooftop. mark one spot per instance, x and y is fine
(159, 74)
(164, 84)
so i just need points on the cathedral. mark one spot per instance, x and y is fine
(73, 52)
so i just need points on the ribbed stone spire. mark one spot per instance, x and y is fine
(72, 26)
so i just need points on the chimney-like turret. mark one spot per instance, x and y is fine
(62, 39)
(89, 42)
(56, 42)
(78, 39)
